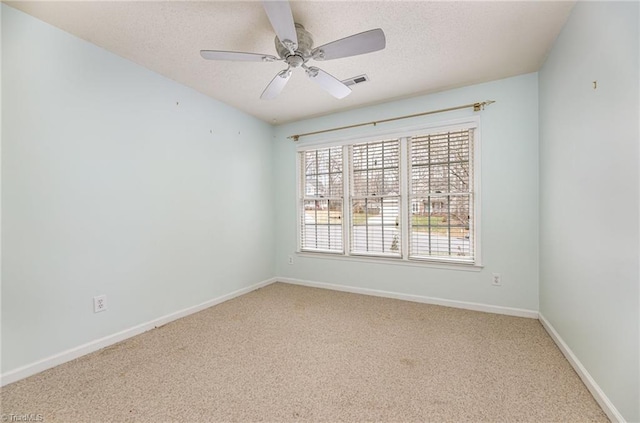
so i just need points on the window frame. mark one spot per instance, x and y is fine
(403, 134)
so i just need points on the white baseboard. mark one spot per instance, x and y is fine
(89, 347)
(509, 311)
(600, 397)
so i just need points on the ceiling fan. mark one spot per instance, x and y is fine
(294, 45)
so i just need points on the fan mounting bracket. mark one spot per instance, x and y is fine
(290, 45)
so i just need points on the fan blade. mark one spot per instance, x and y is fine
(237, 56)
(276, 85)
(328, 82)
(364, 42)
(281, 18)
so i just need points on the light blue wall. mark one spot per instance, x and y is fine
(509, 199)
(589, 238)
(110, 187)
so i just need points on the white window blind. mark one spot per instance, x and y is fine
(375, 198)
(321, 200)
(441, 195)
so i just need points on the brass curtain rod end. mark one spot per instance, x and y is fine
(480, 106)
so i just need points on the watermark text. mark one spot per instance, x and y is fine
(27, 417)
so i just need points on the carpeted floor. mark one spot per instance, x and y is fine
(291, 353)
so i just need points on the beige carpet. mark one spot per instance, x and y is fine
(291, 353)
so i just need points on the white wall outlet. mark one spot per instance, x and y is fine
(99, 303)
(497, 279)
(290, 259)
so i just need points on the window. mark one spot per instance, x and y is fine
(441, 195)
(321, 222)
(375, 198)
(410, 197)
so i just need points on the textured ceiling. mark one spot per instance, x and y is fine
(431, 46)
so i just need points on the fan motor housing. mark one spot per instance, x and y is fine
(305, 45)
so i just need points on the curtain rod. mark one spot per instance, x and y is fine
(476, 108)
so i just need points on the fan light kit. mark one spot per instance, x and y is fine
(294, 46)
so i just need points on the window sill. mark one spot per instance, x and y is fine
(425, 263)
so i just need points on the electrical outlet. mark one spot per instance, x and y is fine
(99, 303)
(497, 279)
(290, 259)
